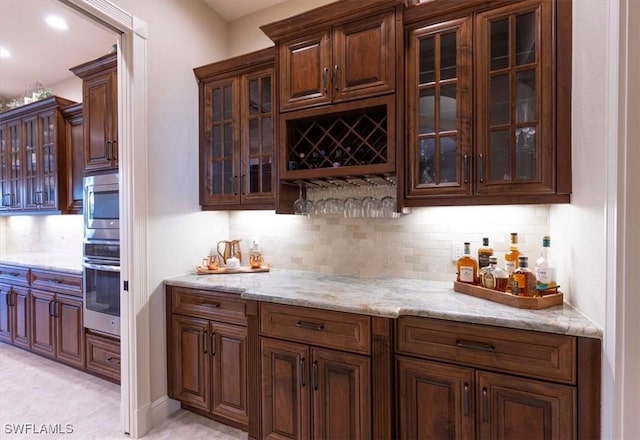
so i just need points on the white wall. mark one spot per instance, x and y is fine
(70, 89)
(183, 34)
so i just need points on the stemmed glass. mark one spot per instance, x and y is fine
(388, 202)
(302, 206)
(370, 204)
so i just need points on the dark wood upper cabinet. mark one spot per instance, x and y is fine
(74, 132)
(33, 158)
(511, 142)
(237, 132)
(100, 112)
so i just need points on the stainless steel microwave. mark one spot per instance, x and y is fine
(102, 207)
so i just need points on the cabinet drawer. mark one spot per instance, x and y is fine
(529, 353)
(103, 356)
(61, 282)
(344, 331)
(207, 304)
(15, 274)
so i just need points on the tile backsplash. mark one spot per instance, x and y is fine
(60, 236)
(417, 245)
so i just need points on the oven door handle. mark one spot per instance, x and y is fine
(104, 267)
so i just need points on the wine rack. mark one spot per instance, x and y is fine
(352, 141)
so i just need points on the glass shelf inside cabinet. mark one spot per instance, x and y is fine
(351, 138)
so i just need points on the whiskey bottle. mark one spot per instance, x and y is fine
(467, 266)
(545, 269)
(511, 257)
(494, 277)
(523, 280)
(484, 252)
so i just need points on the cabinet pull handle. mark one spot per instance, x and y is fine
(481, 167)
(466, 400)
(235, 185)
(301, 373)
(204, 342)
(113, 360)
(485, 405)
(107, 149)
(7, 298)
(14, 274)
(52, 313)
(243, 184)
(13, 301)
(466, 168)
(314, 376)
(212, 338)
(114, 150)
(325, 72)
(210, 304)
(310, 325)
(473, 345)
(335, 78)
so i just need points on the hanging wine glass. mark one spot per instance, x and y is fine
(301, 206)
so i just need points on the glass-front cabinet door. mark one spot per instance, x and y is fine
(257, 177)
(4, 168)
(47, 196)
(31, 159)
(439, 103)
(515, 144)
(12, 192)
(219, 176)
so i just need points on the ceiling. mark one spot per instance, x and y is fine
(42, 54)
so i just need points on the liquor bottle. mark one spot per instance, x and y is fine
(511, 257)
(523, 280)
(467, 266)
(494, 277)
(545, 269)
(484, 252)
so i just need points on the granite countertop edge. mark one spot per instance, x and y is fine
(390, 298)
(67, 268)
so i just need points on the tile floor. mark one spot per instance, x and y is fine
(35, 391)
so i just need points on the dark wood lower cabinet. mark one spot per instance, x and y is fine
(103, 356)
(6, 313)
(207, 358)
(21, 318)
(43, 323)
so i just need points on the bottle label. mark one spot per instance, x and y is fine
(466, 274)
(510, 266)
(545, 277)
(483, 260)
(518, 283)
(489, 280)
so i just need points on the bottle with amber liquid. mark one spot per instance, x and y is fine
(484, 252)
(467, 266)
(523, 280)
(494, 277)
(511, 257)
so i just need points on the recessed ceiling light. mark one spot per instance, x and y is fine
(4, 53)
(57, 22)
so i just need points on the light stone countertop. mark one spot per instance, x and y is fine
(44, 261)
(389, 297)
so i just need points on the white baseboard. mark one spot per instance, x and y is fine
(163, 408)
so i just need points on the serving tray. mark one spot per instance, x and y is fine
(521, 302)
(201, 270)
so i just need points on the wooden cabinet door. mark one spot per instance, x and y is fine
(48, 146)
(31, 151)
(515, 99)
(435, 400)
(99, 110)
(74, 134)
(306, 71)
(6, 309)
(439, 110)
(510, 407)
(257, 176)
(190, 361)
(364, 57)
(69, 330)
(12, 191)
(285, 390)
(4, 167)
(219, 154)
(228, 349)
(341, 389)
(21, 317)
(43, 329)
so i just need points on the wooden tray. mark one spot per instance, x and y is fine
(521, 302)
(201, 270)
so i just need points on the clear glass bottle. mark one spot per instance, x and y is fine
(511, 257)
(484, 252)
(494, 277)
(523, 281)
(545, 269)
(467, 266)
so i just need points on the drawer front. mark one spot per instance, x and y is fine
(61, 282)
(529, 353)
(323, 328)
(15, 274)
(219, 306)
(103, 356)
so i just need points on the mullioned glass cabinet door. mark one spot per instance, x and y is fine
(439, 110)
(220, 165)
(258, 172)
(515, 95)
